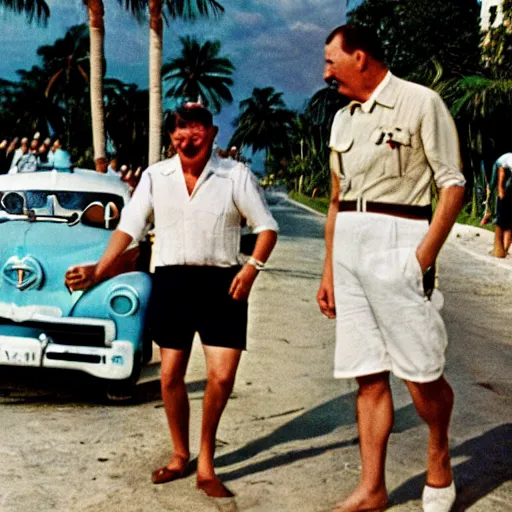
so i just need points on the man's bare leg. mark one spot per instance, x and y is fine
(221, 367)
(175, 397)
(434, 403)
(375, 420)
(499, 247)
(507, 240)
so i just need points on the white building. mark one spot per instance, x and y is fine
(488, 6)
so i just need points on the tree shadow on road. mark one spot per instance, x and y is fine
(316, 422)
(488, 466)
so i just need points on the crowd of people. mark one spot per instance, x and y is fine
(25, 155)
(124, 172)
(21, 155)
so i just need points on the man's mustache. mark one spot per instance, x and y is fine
(332, 82)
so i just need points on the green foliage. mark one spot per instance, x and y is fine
(497, 42)
(190, 10)
(53, 98)
(264, 123)
(35, 10)
(320, 204)
(126, 120)
(200, 73)
(414, 31)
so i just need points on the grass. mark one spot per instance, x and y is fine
(321, 204)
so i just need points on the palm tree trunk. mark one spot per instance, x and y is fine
(155, 80)
(97, 34)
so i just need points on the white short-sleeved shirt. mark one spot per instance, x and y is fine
(202, 228)
(389, 148)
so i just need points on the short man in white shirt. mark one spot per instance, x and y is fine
(387, 146)
(200, 283)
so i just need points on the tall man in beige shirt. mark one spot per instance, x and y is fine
(387, 146)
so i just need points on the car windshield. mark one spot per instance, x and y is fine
(52, 203)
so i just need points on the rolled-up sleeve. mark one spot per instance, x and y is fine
(441, 144)
(135, 215)
(251, 203)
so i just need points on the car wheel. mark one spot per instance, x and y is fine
(124, 390)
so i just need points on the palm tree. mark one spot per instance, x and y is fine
(185, 9)
(66, 63)
(32, 109)
(323, 105)
(126, 120)
(37, 10)
(96, 14)
(264, 122)
(200, 74)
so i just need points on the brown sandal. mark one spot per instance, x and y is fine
(214, 488)
(165, 474)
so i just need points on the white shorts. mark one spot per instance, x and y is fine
(384, 321)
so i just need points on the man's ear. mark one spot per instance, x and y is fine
(361, 59)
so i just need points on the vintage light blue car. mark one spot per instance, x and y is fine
(49, 221)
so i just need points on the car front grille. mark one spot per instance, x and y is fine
(61, 333)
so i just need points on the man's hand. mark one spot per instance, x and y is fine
(81, 277)
(242, 283)
(325, 297)
(424, 259)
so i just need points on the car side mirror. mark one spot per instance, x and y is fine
(92, 215)
(14, 202)
(111, 214)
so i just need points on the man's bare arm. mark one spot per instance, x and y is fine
(447, 209)
(85, 276)
(325, 295)
(243, 281)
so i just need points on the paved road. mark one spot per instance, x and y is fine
(288, 440)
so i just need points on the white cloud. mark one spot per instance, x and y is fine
(249, 18)
(301, 26)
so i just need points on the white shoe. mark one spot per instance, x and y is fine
(437, 499)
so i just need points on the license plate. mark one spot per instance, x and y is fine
(21, 357)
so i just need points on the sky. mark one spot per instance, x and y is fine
(277, 43)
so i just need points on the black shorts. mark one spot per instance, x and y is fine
(190, 299)
(504, 213)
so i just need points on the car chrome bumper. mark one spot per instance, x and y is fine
(113, 363)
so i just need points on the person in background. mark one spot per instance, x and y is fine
(502, 180)
(43, 151)
(112, 169)
(27, 162)
(4, 167)
(19, 152)
(11, 151)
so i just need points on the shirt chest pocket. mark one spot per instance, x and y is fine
(396, 148)
(338, 156)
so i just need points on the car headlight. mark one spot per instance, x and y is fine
(123, 300)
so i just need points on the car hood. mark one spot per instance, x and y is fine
(34, 257)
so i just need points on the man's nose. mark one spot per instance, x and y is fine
(329, 76)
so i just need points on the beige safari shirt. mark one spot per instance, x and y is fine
(389, 148)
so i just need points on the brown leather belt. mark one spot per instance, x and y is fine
(408, 211)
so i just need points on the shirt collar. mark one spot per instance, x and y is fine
(384, 94)
(174, 164)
